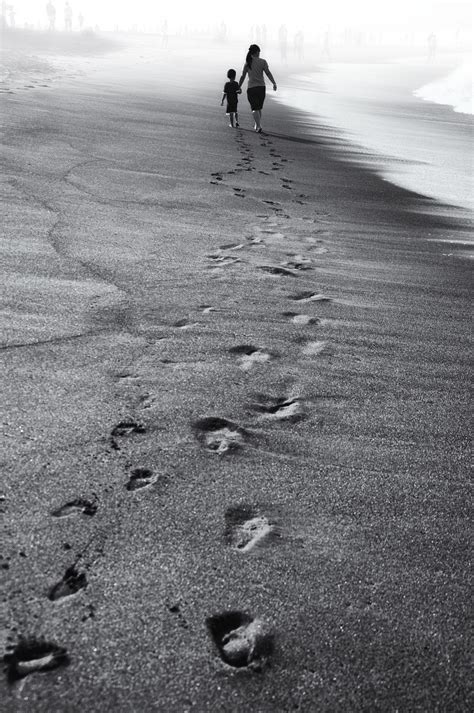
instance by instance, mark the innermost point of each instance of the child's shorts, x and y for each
(231, 107)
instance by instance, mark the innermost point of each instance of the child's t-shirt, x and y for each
(231, 89)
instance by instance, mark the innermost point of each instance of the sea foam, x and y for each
(454, 89)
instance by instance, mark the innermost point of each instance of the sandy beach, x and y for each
(236, 422)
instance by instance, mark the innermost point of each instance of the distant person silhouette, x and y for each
(51, 13)
(11, 15)
(80, 20)
(3, 16)
(327, 45)
(67, 17)
(231, 90)
(432, 46)
(299, 45)
(164, 33)
(255, 67)
(223, 32)
(283, 42)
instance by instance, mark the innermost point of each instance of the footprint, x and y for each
(250, 355)
(184, 324)
(301, 318)
(128, 375)
(206, 309)
(223, 260)
(140, 478)
(146, 401)
(273, 234)
(219, 435)
(124, 429)
(76, 507)
(231, 246)
(314, 348)
(309, 297)
(241, 640)
(271, 202)
(245, 528)
(175, 608)
(280, 409)
(299, 263)
(255, 240)
(278, 271)
(72, 582)
(32, 655)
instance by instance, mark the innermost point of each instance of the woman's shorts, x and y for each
(256, 97)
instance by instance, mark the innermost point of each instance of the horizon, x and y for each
(339, 15)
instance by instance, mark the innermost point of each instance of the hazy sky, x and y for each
(310, 14)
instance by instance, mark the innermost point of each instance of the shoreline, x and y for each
(177, 271)
(377, 120)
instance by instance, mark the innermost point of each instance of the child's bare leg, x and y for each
(231, 118)
(236, 119)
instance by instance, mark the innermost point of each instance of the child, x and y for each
(231, 89)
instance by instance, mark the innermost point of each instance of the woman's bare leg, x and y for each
(257, 116)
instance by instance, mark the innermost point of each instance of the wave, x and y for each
(455, 89)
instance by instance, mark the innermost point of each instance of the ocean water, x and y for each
(415, 139)
(454, 89)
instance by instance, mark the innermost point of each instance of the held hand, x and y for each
(274, 87)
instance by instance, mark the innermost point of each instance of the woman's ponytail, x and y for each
(253, 49)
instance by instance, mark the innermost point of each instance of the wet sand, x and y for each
(235, 420)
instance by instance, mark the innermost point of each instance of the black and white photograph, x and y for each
(235, 347)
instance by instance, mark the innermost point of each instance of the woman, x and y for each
(255, 68)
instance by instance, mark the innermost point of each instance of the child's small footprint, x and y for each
(140, 478)
(218, 435)
(32, 655)
(123, 430)
(309, 297)
(76, 507)
(249, 356)
(71, 583)
(241, 640)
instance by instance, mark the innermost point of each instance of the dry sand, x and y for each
(236, 423)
